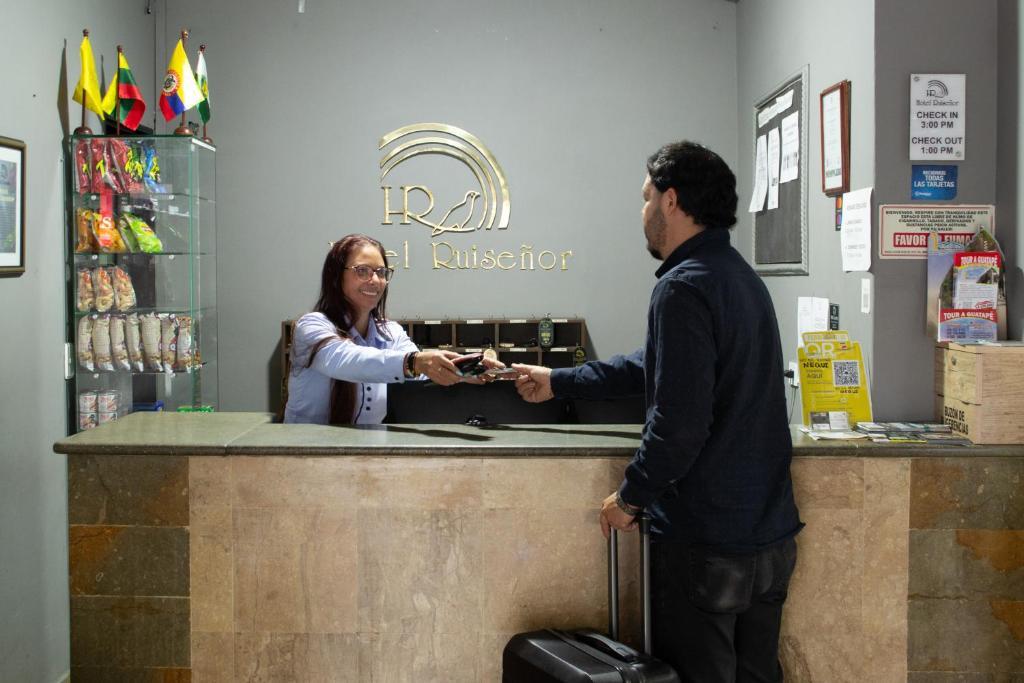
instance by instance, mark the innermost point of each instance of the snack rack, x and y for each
(141, 266)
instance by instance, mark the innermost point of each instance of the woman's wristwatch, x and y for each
(410, 364)
(631, 510)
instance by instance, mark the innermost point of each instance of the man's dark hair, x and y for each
(704, 184)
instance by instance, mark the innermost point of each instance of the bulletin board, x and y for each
(780, 234)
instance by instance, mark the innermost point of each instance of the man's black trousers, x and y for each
(716, 617)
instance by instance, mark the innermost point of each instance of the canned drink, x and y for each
(87, 402)
(87, 420)
(106, 401)
(105, 416)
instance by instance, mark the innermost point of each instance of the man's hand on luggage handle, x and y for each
(612, 516)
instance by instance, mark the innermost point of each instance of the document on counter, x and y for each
(811, 316)
(855, 238)
(790, 148)
(773, 169)
(760, 176)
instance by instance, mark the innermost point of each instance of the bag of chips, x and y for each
(118, 350)
(85, 296)
(83, 167)
(133, 343)
(84, 343)
(108, 239)
(149, 326)
(113, 171)
(145, 237)
(184, 359)
(83, 223)
(124, 292)
(101, 343)
(168, 341)
(103, 289)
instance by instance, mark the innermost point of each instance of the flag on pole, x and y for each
(180, 92)
(87, 91)
(204, 87)
(132, 105)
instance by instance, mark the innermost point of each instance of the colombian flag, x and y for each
(180, 92)
(123, 86)
(87, 91)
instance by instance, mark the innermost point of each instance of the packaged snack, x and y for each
(101, 343)
(147, 240)
(107, 401)
(87, 402)
(98, 171)
(87, 420)
(168, 341)
(184, 360)
(83, 167)
(83, 223)
(151, 175)
(103, 288)
(149, 326)
(113, 175)
(108, 239)
(130, 243)
(86, 298)
(84, 344)
(134, 167)
(133, 343)
(124, 292)
(118, 350)
(104, 417)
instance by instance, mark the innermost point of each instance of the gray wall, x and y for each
(775, 38)
(33, 507)
(926, 36)
(571, 97)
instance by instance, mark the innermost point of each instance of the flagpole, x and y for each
(206, 138)
(83, 129)
(117, 90)
(183, 129)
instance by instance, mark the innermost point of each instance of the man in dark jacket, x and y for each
(712, 469)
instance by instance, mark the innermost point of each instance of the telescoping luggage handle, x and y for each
(645, 581)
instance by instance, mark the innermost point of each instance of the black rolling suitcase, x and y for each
(552, 656)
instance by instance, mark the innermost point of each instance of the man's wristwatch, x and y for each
(631, 510)
(410, 364)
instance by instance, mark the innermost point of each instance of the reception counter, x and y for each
(221, 547)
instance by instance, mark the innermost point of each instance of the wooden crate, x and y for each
(979, 391)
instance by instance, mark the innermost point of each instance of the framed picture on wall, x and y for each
(834, 109)
(12, 206)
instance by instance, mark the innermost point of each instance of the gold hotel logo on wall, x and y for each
(489, 199)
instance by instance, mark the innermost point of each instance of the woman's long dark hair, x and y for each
(333, 304)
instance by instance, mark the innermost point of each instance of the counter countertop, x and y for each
(255, 434)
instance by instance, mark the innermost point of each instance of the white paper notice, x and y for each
(773, 169)
(855, 237)
(766, 115)
(760, 176)
(811, 316)
(790, 148)
(783, 102)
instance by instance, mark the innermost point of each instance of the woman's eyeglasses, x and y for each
(364, 273)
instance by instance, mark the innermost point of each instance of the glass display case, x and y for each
(141, 256)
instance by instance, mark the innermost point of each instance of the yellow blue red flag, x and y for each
(180, 92)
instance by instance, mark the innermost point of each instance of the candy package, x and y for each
(118, 350)
(124, 292)
(101, 343)
(103, 288)
(84, 344)
(149, 327)
(133, 343)
(147, 240)
(83, 223)
(184, 359)
(168, 341)
(108, 239)
(83, 167)
(85, 296)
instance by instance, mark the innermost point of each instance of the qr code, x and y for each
(845, 373)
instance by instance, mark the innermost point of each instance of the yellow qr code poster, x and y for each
(832, 377)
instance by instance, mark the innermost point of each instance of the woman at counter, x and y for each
(346, 352)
